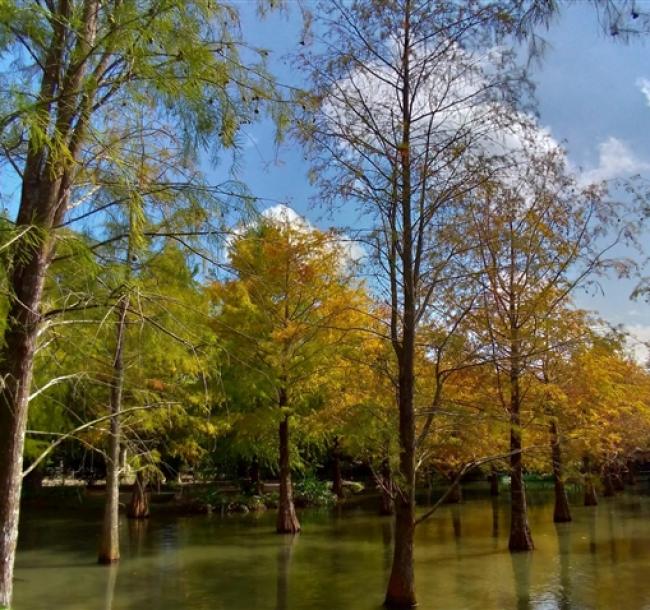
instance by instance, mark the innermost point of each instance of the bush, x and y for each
(310, 491)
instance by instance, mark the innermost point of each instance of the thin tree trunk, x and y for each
(495, 517)
(139, 504)
(591, 499)
(455, 495)
(256, 479)
(456, 522)
(386, 504)
(608, 483)
(287, 522)
(401, 584)
(401, 590)
(617, 480)
(109, 544)
(494, 483)
(561, 511)
(16, 368)
(337, 479)
(520, 537)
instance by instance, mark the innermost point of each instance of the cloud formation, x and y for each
(283, 214)
(644, 86)
(638, 342)
(615, 160)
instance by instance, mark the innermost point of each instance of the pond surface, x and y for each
(341, 560)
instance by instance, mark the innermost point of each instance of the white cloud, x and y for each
(638, 342)
(352, 251)
(615, 160)
(644, 86)
(285, 215)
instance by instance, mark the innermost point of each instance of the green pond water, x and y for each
(341, 560)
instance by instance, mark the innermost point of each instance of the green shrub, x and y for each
(310, 491)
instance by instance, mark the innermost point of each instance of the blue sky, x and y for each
(591, 97)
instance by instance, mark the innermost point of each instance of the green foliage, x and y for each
(310, 491)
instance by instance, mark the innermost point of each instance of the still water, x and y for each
(341, 561)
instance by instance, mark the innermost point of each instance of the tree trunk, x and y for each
(109, 545)
(494, 483)
(16, 367)
(139, 504)
(257, 487)
(34, 480)
(287, 522)
(45, 193)
(337, 479)
(401, 584)
(401, 590)
(495, 517)
(591, 499)
(520, 537)
(608, 483)
(617, 480)
(455, 495)
(386, 504)
(630, 478)
(456, 522)
(561, 512)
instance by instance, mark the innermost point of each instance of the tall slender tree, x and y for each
(539, 236)
(90, 67)
(404, 94)
(283, 323)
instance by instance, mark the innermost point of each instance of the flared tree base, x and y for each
(591, 499)
(107, 560)
(561, 511)
(287, 522)
(520, 540)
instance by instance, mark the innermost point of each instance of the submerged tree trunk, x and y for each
(337, 478)
(591, 499)
(608, 483)
(455, 495)
(139, 504)
(401, 584)
(404, 269)
(109, 545)
(16, 367)
(520, 537)
(617, 480)
(494, 483)
(561, 511)
(257, 486)
(386, 504)
(495, 517)
(287, 522)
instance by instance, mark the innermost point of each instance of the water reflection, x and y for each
(455, 521)
(387, 542)
(239, 563)
(111, 582)
(284, 554)
(495, 517)
(521, 565)
(563, 531)
(137, 535)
